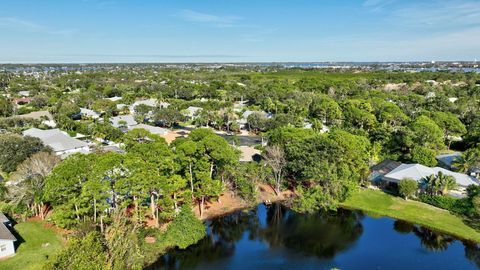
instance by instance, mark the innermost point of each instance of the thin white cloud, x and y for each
(215, 20)
(377, 5)
(16, 24)
(441, 14)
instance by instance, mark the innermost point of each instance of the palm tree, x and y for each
(468, 160)
(446, 182)
(431, 184)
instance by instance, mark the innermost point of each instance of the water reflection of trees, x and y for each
(472, 252)
(429, 239)
(322, 234)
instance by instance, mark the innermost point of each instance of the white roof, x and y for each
(151, 129)
(418, 172)
(192, 110)
(114, 99)
(56, 139)
(90, 113)
(127, 118)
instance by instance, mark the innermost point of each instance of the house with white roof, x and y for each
(44, 116)
(123, 121)
(148, 102)
(87, 113)
(115, 99)
(244, 120)
(192, 111)
(151, 129)
(7, 239)
(60, 142)
(419, 172)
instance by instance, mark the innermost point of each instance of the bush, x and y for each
(185, 230)
(407, 187)
(454, 205)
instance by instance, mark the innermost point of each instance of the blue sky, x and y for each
(238, 30)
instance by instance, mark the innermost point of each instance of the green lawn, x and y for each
(378, 203)
(31, 254)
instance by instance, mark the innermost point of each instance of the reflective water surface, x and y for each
(275, 237)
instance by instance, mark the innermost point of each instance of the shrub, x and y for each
(407, 187)
(454, 205)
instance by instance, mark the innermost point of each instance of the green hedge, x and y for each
(454, 205)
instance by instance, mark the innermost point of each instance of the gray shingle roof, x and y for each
(5, 233)
(3, 218)
(56, 139)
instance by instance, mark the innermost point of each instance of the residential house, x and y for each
(7, 239)
(24, 93)
(244, 120)
(87, 113)
(115, 99)
(44, 116)
(446, 160)
(419, 172)
(151, 129)
(381, 169)
(148, 102)
(61, 143)
(192, 112)
(123, 121)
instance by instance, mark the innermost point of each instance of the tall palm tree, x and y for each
(446, 182)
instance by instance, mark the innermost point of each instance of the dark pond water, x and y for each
(277, 238)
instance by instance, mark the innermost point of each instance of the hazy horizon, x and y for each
(125, 31)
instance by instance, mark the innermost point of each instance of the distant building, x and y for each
(147, 102)
(192, 112)
(115, 99)
(87, 113)
(446, 160)
(151, 129)
(24, 93)
(44, 116)
(123, 121)
(61, 143)
(7, 239)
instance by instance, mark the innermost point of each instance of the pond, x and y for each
(274, 237)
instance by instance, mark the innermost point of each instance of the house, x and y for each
(7, 239)
(44, 116)
(87, 113)
(24, 93)
(147, 102)
(115, 99)
(419, 172)
(244, 120)
(382, 168)
(192, 112)
(446, 160)
(123, 121)
(61, 143)
(151, 129)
